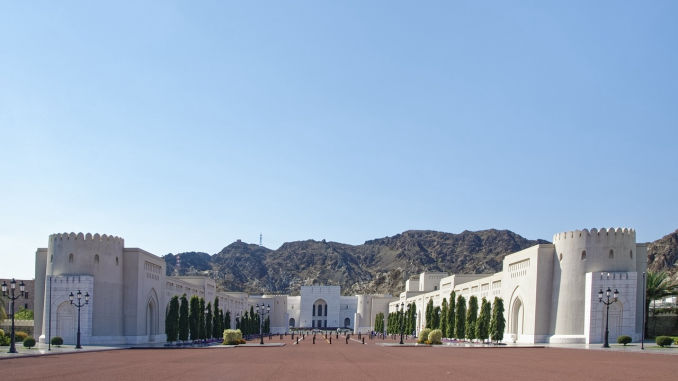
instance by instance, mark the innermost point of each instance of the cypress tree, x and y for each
(460, 318)
(450, 316)
(497, 323)
(194, 318)
(201, 320)
(471, 317)
(267, 324)
(435, 324)
(227, 320)
(443, 317)
(483, 324)
(217, 320)
(429, 314)
(413, 319)
(245, 323)
(183, 319)
(208, 322)
(172, 320)
(253, 326)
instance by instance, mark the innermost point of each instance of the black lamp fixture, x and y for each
(12, 298)
(79, 304)
(261, 311)
(607, 303)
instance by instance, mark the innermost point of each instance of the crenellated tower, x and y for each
(578, 253)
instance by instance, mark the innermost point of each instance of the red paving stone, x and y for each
(340, 361)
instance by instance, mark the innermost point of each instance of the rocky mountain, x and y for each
(662, 254)
(377, 266)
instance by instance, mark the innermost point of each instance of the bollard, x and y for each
(330, 339)
(347, 339)
(363, 340)
(313, 339)
(297, 339)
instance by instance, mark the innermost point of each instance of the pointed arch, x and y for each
(152, 318)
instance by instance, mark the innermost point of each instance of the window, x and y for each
(70, 258)
(560, 257)
(314, 310)
(631, 254)
(51, 259)
(435, 288)
(96, 258)
(583, 255)
(116, 261)
(611, 254)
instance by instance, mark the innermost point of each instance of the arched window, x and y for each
(314, 310)
(70, 258)
(320, 310)
(347, 322)
(291, 322)
(560, 257)
(583, 255)
(96, 258)
(631, 254)
(116, 261)
(611, 254)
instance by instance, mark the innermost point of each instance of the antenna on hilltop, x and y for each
(261, 236)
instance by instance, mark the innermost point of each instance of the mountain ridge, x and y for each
(380, 265)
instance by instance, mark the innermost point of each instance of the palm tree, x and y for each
(658, 285)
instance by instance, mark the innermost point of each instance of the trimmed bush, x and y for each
(435, 337)
(2, 332)
(20, 336)
(29, 342)
(423, 335)
(57, 340)
(4, 341)
(233, 337)
(664, 341)
(623, 339)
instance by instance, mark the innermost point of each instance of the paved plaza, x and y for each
(341, 361)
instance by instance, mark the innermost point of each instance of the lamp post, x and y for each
(12, 297)
(642, 329)
(402, 320)
(607, 303)
(261, 311)
(79, 305)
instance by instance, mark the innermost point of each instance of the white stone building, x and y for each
(550, 291)
(130, 294)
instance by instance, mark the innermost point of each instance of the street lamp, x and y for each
(261, 311)
(79, 305)
(402, 320)
(12, 297)
(607, 303)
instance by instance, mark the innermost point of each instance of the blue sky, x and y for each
(187, 125)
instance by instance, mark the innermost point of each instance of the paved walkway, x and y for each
(340, 361)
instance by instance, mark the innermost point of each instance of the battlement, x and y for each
(618, 233)
(85, 237)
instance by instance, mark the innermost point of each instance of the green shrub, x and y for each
(664, 341)
(20, 336)
(232, 337)
(2, 332)
(435, 336)
(29, 342)
(57, 340)
(4, 341)
(623, 339)
(423, 335)
(24, 314)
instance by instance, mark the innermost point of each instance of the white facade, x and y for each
(550, 291)
(129, 295)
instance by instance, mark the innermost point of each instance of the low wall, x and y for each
(19, 325)
(664, 324)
